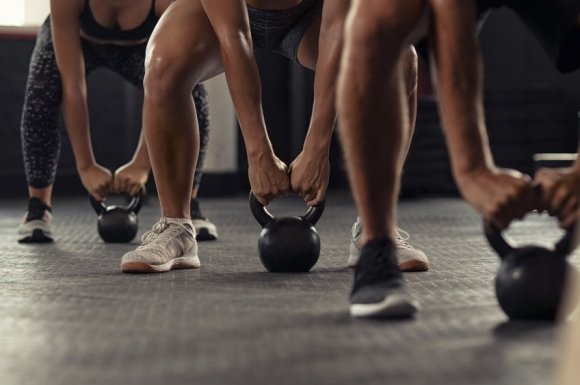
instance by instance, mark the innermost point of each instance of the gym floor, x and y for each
(69, 316)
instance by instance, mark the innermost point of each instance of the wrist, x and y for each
(317, 145)
(84, 165)
(258, 148)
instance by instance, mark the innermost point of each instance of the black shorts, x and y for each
(281, 31)
(554, 23)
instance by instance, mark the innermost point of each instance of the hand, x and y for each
(130, 178)
(268, 177)
(309, 174)
(499, 195)
(98, 181)
(560, 194)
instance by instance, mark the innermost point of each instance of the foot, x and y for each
(410, 258)
(169, 245)
(36, 225)
(205, 230)
(378, 290)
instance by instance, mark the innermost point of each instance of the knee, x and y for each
(372, 23)
(166, 77)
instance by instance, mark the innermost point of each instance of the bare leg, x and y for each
(374, 115)
(183, 52)
(44, 194)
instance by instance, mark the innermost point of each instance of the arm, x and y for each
(229, 19)
(311, 169)
(499, 195)
(69, 58)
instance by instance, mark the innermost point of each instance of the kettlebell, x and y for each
(287, 244)
(531, 280)
(117, 223)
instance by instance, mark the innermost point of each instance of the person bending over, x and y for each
(199, 39)
(78, 37)
(374, 125)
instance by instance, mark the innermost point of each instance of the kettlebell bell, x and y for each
(117, 223)
(531, 280)
(287, 244)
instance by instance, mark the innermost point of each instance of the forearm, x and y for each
(75, 112)
(141, 155)
(459, 77)
(324, 113)
(244, 85)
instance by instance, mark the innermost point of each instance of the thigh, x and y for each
(184, 41)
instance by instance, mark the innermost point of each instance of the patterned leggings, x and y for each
(40, 130)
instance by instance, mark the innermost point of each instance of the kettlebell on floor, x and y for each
(287, 244)
(531, 280)
(116, 223)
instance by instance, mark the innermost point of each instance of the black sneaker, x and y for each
(204, 229)
(379, 290)
(36, 226)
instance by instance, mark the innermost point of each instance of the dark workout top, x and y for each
(93, 29)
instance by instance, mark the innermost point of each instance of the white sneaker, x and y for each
(410, 258)
(36, 225)
(169, 245)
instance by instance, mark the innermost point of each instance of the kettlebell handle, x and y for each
(503, 248)
(99, 207)
(264, 217)
(134, 205)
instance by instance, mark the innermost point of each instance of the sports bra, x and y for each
(93, 29)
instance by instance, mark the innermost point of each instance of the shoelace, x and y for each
(401, 238)
(157, 229)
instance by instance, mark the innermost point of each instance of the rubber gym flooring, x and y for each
(69, 316)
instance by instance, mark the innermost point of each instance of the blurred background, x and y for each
(530, 109)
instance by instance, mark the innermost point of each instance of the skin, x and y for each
(374, 115)
(217, 34)
(67, 35)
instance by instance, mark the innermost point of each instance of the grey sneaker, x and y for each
(205, 230)
(410, 258)
(169, 245)
(36, 225)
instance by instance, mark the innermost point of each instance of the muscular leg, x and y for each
(375, 126)
(183, 52)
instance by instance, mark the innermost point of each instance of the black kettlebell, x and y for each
(287, 244)
(117, 223)
(531, 280)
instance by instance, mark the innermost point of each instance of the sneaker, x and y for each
(169, 245)
(379, 290)
(410, 258)
(205, 230)
(35, 227)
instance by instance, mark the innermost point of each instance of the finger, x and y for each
(559, 198)
(317, 199)
(571, 219)
(569, 208)
(264, 201)
(135, 189)
(117, 183)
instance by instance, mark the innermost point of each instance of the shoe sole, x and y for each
(175, 264)
(37, 236)
(407, 266)
(394, 306)
(205, 235)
